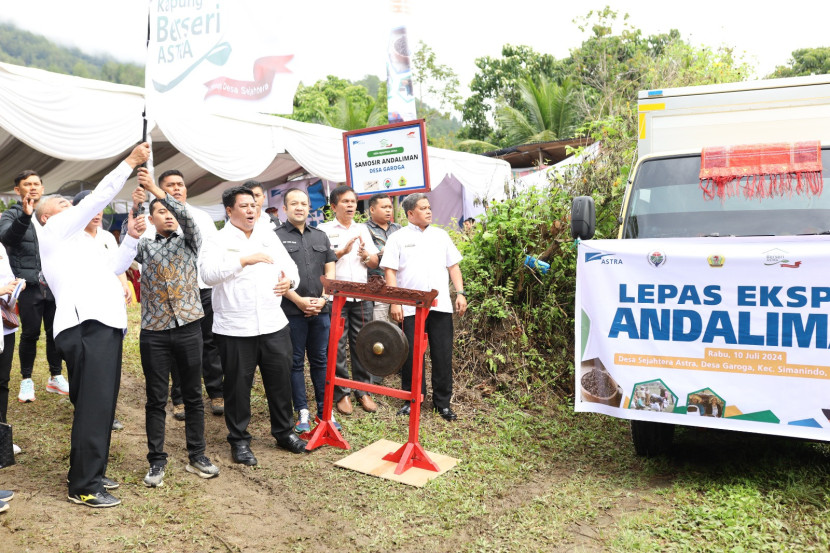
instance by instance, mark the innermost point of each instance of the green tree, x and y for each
(497, 80)
(519, 324)
(339, 103)
(805, 61)
(438, 81)
(545, 112)
(610, 66)
(681, 64)
(311, 101)
(352, 112)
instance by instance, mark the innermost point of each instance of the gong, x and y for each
(382, 348)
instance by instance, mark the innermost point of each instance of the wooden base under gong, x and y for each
(370, 460)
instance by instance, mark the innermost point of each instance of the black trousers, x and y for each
(5, 373)
(240, 357)
(92, 352)
(161, 350)
(34, 311)
(211, 363)
(440, 330)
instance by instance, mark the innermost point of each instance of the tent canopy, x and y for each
(70, 128)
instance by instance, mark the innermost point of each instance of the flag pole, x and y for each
(144, 112)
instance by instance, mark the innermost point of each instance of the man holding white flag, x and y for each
(90, 322)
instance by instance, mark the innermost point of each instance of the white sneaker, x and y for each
(155, 476)
(58, 385)
(27, 391)
(16, 449)
(302, 425)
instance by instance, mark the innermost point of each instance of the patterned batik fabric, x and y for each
(169, 285)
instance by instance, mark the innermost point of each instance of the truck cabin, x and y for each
(666, 200)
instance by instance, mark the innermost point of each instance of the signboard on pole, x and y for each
(728, 333)
(390, 158)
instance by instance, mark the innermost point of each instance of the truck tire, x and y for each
(651, 438)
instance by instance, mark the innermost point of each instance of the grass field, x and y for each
(538, 478)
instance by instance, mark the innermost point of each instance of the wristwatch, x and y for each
(461, 293)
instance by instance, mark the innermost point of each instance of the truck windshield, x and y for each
(666, 201)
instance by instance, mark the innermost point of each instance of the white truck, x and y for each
(648, 377)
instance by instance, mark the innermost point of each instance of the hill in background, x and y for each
(28, 49)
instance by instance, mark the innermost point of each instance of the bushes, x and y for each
(519, 331)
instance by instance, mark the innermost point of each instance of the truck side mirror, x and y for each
(583, 218)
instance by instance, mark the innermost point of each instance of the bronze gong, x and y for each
(382, 348)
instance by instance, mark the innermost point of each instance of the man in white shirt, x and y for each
(90, 322)
(172, 182)
(421, 257)
(356, 252)
(250, 270)
(109, 246)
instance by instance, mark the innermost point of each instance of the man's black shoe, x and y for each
(446, 413)
(98, 500)
(293, 444)
(405, 410)
(108, 483)
(243, 455)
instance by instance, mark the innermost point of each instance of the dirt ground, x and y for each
(291, 502)
(288, 503)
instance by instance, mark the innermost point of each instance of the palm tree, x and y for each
(545, 112)
(352, 113)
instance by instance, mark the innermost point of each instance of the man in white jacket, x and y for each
(250, 270)
(90, 322)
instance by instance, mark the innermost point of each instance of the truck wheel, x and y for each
(651, 438)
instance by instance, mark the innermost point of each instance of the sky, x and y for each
(347, 39)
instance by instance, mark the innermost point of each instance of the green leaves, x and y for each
(546, 112)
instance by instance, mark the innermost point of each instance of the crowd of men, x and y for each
(215, 305)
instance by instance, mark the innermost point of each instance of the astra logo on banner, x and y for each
(601, 256)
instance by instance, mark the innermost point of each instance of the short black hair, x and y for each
(229, 195)
(170, 173)
(251, 184)
(338, 193)
(289, 191)
(25, 175)
(378, 197)
(153, 203)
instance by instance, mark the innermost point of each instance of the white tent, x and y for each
(69, 128)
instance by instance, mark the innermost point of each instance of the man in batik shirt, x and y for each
(171, 332)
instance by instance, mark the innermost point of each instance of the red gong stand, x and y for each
(411, 454)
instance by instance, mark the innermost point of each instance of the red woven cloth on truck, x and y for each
(761, 170)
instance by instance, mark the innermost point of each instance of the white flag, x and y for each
(221, 55)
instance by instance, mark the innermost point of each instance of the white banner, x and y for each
(725, 333)
(399, 89)
(222, 55)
